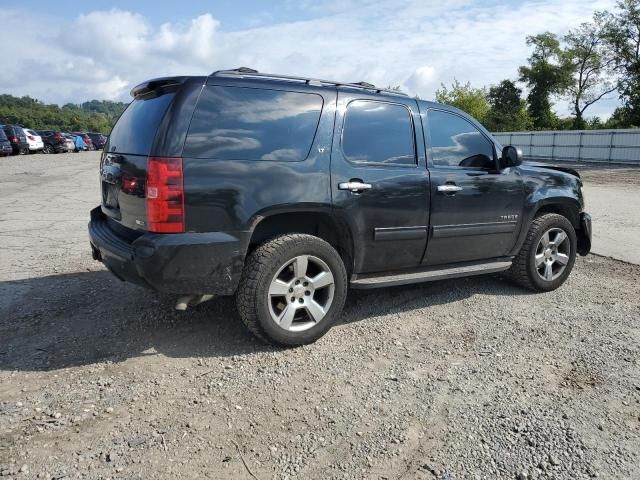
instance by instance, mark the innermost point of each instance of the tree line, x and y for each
(600, 58)
(92, 116)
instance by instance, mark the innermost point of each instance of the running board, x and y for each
(390, 280)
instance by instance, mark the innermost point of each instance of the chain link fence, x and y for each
(609, 146)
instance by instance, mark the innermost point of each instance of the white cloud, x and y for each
(418, 45)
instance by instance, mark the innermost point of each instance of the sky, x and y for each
(81, 50)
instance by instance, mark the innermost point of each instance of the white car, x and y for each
(34, 140)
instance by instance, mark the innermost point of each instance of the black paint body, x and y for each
(403, 222)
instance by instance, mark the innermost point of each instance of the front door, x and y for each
(379, 180)
(475, 207)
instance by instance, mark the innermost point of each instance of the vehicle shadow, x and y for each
(78, 319)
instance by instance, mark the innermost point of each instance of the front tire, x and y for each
(292, 290)
(547, 255)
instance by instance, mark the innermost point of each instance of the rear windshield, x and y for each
(136, 128)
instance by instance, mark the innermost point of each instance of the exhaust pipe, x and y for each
(186, 301)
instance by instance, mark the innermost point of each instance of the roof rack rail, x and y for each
(250, 72)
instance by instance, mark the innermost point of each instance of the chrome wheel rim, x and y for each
(552, 254)
(301, 293)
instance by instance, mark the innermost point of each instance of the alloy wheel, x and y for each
(552, 254)
(301, 293)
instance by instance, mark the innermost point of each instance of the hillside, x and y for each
(94, 115)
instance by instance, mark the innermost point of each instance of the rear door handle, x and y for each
(449, 188)
(354, 186)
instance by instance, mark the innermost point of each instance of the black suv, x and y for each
(54, 141)
(18, 139)
(285, 191)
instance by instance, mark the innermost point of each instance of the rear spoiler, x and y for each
(155, 85)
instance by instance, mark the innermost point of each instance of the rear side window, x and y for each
(377, 132)
(136, 128)
(455, 142)
(236, 123)
(3, 136)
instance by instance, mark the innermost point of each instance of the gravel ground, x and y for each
(470, 378)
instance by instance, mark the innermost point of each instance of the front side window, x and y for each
(455, 142)
(377, 132)
(238, 123)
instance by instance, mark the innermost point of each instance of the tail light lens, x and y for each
(31, 137)
(13, 139)
(58, 136)
(165, 195)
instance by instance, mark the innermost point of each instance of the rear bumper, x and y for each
(584, 234)
(60, 148)
(184, 263)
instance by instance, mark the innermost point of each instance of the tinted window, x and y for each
(136, 128)
(3, 136)
(457, 143)
(378, 132)
(237, 123)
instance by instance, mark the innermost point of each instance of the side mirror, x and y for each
(511, 157)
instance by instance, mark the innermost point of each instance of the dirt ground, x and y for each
(471, 378)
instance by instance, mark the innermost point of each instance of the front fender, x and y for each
(550, 191)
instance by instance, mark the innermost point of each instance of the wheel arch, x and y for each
(565, 206)
(317, 222)
(568, 207)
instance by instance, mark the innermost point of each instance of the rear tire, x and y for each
(48, 149)
(292, 290)
(547, 255)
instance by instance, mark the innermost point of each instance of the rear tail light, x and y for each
(165, 195)
(58, 136)
(31, 137)
(13, 139)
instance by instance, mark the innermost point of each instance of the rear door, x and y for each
(379, 181)
(475, 207)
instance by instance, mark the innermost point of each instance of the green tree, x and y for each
(466, 98)
(96, 115)
(546, 75)
(508, 111)
(588, 56)
(623, 36)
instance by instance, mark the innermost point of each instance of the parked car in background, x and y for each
(80, 145)
(98, 140)
(71, 142)
(17, 138)
(86, 139)
(55, 142)
(34, 140)
(5, 145)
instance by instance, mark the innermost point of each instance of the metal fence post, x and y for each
(611, 144)
(580, 146)
(553, 145)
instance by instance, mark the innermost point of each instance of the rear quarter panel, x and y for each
(234, 195)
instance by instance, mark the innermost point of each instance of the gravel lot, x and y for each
(471, 378)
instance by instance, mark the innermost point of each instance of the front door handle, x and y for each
(354, 186)
(448, 188)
